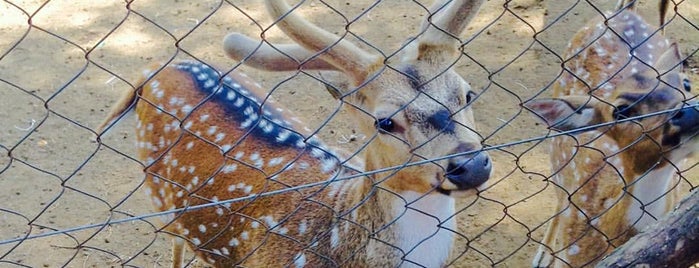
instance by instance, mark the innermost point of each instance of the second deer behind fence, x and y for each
(624, 88)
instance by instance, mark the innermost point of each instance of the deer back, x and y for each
(206, 138)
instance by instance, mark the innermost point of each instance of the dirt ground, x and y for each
(59, 77)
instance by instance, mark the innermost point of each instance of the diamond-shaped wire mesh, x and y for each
(70, 196)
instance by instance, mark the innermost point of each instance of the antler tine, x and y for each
(664, 6)
(449, 18)
(342, 54)
(281, 57)
(629, 4)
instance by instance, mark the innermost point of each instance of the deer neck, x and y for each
(650, 191)
(393, 225)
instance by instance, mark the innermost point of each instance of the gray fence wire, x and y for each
(73, 197)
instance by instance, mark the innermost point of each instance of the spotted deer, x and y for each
(205, 138)
(630, 120)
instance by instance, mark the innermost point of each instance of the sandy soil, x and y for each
(59, 76)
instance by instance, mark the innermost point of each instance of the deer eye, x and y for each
(470, 96)
(687, 85)
(622, 111)
(385, 125)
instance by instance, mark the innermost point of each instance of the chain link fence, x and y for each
(69, 200)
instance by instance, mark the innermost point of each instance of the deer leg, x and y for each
(177, 252)
(544, 256)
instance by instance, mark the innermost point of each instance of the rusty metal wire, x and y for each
(70, 196)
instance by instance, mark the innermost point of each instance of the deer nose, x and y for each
(687, 118)
(469, 171)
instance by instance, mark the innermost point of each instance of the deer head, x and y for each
(420, 107)
(643, 115)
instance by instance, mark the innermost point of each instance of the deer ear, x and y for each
(671, 59)
(565, 113)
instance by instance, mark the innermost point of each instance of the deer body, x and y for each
(235, 161)
(620, 177)
(205, 138)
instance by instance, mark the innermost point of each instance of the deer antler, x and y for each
(338, 52)
(280, 57)
(448, 20)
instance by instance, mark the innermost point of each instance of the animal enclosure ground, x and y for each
(59, 77)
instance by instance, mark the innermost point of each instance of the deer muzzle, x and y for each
(684, 125)
(687, 118)
(470, 170)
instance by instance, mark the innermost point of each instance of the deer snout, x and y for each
(470, 170)
(687, 118)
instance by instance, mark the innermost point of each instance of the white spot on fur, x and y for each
(188, 125)
(300, 260)
(335, 237)
(573, 250)
(275, 161)
(266, 126)
(283, 135)
(302, 226)
(187, 109)
(282, 230)
(229, 168)
(219, 137)
(239, 102)
(303, 165)
(226, 147)
(211, 130)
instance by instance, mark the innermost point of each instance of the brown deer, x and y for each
(207, 138)
(629, 118)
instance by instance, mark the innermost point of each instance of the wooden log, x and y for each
(671, 242)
